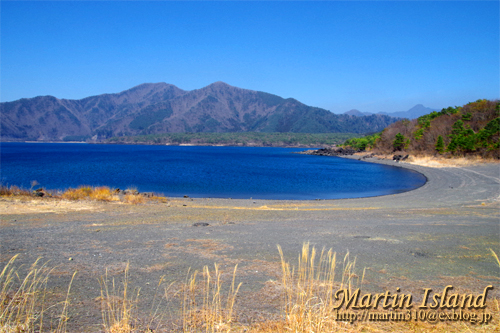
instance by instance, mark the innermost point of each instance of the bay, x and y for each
(201, 171)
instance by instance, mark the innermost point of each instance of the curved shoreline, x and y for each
(445, 187)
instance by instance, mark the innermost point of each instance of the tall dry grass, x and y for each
(208, 303)
(496, 301)
(13, 191)
(120, 310)
(118, 305)
(309, 289)
(205, 307)
(22, 300)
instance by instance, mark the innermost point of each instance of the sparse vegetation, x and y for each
(309, 290)
(118, 306)
(207, 303)
(204, 306)
(13, 190)
(22, 300)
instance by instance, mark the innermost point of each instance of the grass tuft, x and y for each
(22, 300)
(118, 307)
(309, 289)
(80, 193)
(134, 199)
(204, 305)
(13, 191)
(102, 193)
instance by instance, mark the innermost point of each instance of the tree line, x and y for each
(238, 139)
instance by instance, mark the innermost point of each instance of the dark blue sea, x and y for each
(196, 171)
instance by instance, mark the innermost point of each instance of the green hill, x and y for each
(472, 129)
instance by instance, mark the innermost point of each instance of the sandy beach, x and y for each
(439, 234)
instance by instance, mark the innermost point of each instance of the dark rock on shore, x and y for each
(367, 156)
(134, 192)
(398, 158)
(332, 152)
(39, 192)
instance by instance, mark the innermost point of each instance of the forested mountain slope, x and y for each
(156, 108)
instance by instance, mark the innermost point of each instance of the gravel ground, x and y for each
(436, 235)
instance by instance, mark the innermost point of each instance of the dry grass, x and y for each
(205, 308)
(134, 199)
(118, 307)
(83, 192)
(101, 193)
(438, 161)
(22, 300)
(160, 199)
(308, 300)
(207, 302)
(441, 162)
(309, 290)
(495, 256)
(13, 191)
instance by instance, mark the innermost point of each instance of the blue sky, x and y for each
(339, 55)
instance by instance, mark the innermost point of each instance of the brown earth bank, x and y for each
(443, 233)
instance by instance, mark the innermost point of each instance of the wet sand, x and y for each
(436, 235)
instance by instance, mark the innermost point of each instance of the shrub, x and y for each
(399, 142)
(440, 145)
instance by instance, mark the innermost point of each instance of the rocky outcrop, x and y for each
(332, 152)
(134, 192)
(399, 158)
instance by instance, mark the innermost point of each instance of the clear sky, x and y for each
(339, 55)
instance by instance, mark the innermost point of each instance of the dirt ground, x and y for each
(442, 233)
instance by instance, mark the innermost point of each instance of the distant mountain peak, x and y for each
(357, 113)
(219, 84)
(145, 86)
(413, 113)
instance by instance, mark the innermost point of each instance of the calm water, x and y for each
(222, 172)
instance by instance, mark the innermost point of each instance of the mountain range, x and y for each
(153, 108)
(413, 113)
